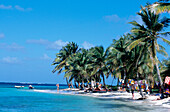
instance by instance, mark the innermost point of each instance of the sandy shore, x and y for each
(114, 95)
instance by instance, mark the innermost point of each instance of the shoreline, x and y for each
(113, 95)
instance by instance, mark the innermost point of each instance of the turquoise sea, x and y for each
(25, 100)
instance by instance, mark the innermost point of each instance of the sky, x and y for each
(33, 31)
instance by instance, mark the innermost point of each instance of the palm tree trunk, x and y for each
(118, 81)
(160, 80)
(72, 85)
(141, 93)
(83, 82)
(94, 82)
(79, 85)
(67, 81)
(124, 75)
(75, 83)
(104, 81)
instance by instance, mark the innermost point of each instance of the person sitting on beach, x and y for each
(133, 89)
(159, 98)
(89, 89)
(100, 86)
(97, 87)
(123, 87)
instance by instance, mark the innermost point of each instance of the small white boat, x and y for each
(30, 87)
(19, 87)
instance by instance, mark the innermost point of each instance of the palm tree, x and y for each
(99, 56)
(80, 68)
(148, 34)
(160, 6)
(138, 64)
(119, 57)
(62, 57)
(113, 65)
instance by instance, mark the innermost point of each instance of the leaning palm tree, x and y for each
(148, 33)
(62, 57)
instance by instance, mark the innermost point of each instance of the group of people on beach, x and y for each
(131, 86)
(148, 89)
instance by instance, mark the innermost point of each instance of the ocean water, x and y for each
(25, 100)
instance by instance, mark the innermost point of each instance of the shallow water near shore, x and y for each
(25, 100)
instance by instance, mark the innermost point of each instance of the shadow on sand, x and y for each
(124, 104)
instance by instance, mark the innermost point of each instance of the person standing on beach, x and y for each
(133, 89)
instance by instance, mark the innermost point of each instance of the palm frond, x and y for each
(162, 7)
(135, 43)
(165, 40)
(164, 53)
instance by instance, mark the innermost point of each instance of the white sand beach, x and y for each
(114, 95)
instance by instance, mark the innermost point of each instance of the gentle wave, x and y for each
(46, 91)
(55, 91)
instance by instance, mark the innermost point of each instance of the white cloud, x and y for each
(10, 60)
(112, 18)
(5, 7)
(45, 57)
(2, 35)
(87, 45)
(56, 45)
(17, 7)
(40, 41)
(22, 9)
(12, 47)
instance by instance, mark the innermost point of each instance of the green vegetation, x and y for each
(160, 7)
(133, 56)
